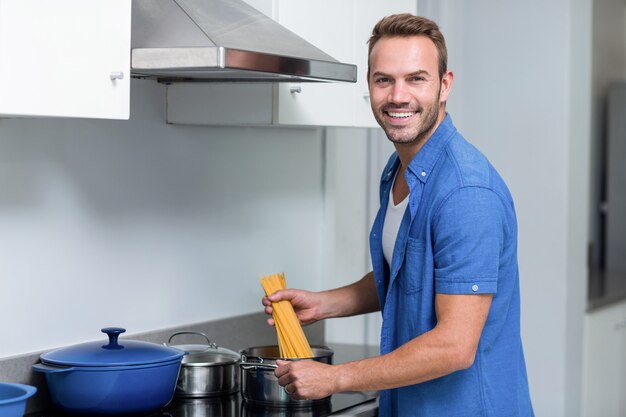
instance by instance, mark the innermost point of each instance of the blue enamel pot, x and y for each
(118, 377)
(13, 398)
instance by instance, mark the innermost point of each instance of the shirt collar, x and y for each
(423, 163)
(392, 167)
(425, 160)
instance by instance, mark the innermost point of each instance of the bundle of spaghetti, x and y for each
(292, 342)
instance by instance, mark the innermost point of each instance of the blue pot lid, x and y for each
(113, 352)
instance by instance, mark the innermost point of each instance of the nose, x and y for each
(399, 93)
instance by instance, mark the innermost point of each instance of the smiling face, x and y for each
(406, 94)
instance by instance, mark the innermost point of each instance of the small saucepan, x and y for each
(207, 370)
(259, 385)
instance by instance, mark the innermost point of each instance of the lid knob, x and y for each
(113, 333)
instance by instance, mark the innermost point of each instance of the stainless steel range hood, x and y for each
(223, 40)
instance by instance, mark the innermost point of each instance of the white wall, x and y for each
(146, 225)
(355, 159)
(346, 248)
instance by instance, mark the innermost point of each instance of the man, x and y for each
(444, 256)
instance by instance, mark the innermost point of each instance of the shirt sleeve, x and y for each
(468, 234)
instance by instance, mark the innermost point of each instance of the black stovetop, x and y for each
(234, 406)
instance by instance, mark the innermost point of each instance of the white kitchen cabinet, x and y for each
(65, 58)
(605, 362)
(366, 14)
(340, 28)
(349, 24)
(329, 26)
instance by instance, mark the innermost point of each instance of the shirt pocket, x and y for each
(412, 273)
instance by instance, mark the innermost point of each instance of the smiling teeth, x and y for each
(401, 115)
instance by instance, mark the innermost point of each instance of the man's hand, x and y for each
(306, 379)
(306, 304)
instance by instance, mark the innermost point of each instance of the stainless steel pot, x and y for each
(207, 370)
(259, 385)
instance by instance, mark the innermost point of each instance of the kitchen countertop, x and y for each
(342, 404)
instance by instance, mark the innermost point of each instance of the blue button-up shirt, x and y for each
(458, 236)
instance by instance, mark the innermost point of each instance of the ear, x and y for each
(446, 86)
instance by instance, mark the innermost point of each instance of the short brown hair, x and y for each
(405, 25)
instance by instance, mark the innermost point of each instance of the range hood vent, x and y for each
(223, 40)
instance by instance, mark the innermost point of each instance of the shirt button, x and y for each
(423, 173)
(474, 287)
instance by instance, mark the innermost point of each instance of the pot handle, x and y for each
(47, 369)
(210, 345)
(257, 365)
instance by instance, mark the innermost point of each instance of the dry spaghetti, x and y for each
(292, 342)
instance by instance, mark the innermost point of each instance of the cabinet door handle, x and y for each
(117, 75)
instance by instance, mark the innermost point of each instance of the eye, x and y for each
(417, 78)
(382, 80)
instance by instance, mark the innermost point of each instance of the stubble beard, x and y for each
(410, 135)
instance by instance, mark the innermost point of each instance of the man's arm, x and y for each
(450, 346)
(357, 298)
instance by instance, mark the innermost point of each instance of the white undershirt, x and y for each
(393, 218)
